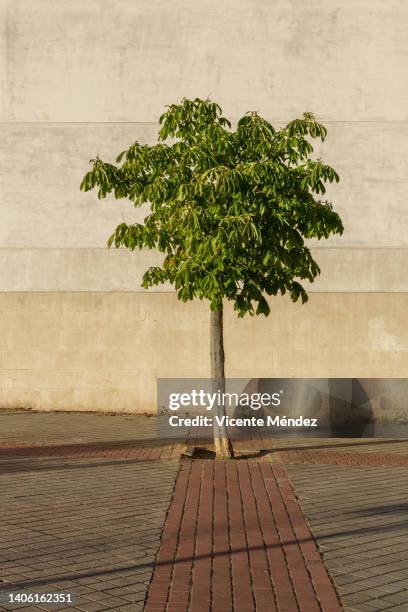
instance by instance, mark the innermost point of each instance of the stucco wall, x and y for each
(79, 79)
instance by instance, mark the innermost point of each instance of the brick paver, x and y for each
(87, 527)
(68, 427)
(358, 516)
(85, 497)
(29, 434)
(356, 458)
(236, 540)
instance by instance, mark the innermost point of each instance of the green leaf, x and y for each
(229, 210)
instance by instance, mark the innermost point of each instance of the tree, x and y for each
(229, 209)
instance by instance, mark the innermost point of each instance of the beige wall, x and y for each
(84, 78)
(119, 61)
(103, 351)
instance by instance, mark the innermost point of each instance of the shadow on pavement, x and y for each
(47, 580)
(42, 466)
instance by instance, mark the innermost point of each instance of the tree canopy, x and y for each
(229, 209)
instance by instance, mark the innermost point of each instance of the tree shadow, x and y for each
(43, 450)
(31, 464)
(138, 567)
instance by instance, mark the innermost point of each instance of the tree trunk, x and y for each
(222, 443)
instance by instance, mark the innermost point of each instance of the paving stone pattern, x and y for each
(359, 517)
(88, 527)
(84, 498)
(30, 434)
(342, 458)
(235, 540)
(67, 427)
(338, 445)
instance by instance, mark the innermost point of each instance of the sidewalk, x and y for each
(86, 527)
(358, 516)
(101, 507)
(235, 540)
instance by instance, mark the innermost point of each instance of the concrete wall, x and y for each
(103, 351)
(79, 79)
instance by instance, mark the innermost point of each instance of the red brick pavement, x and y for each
(340, 458)
(236, 540)
(92, 449)
(143, 452)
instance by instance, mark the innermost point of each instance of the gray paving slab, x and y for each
(359, 517)
(68, 427)
(89, 527)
